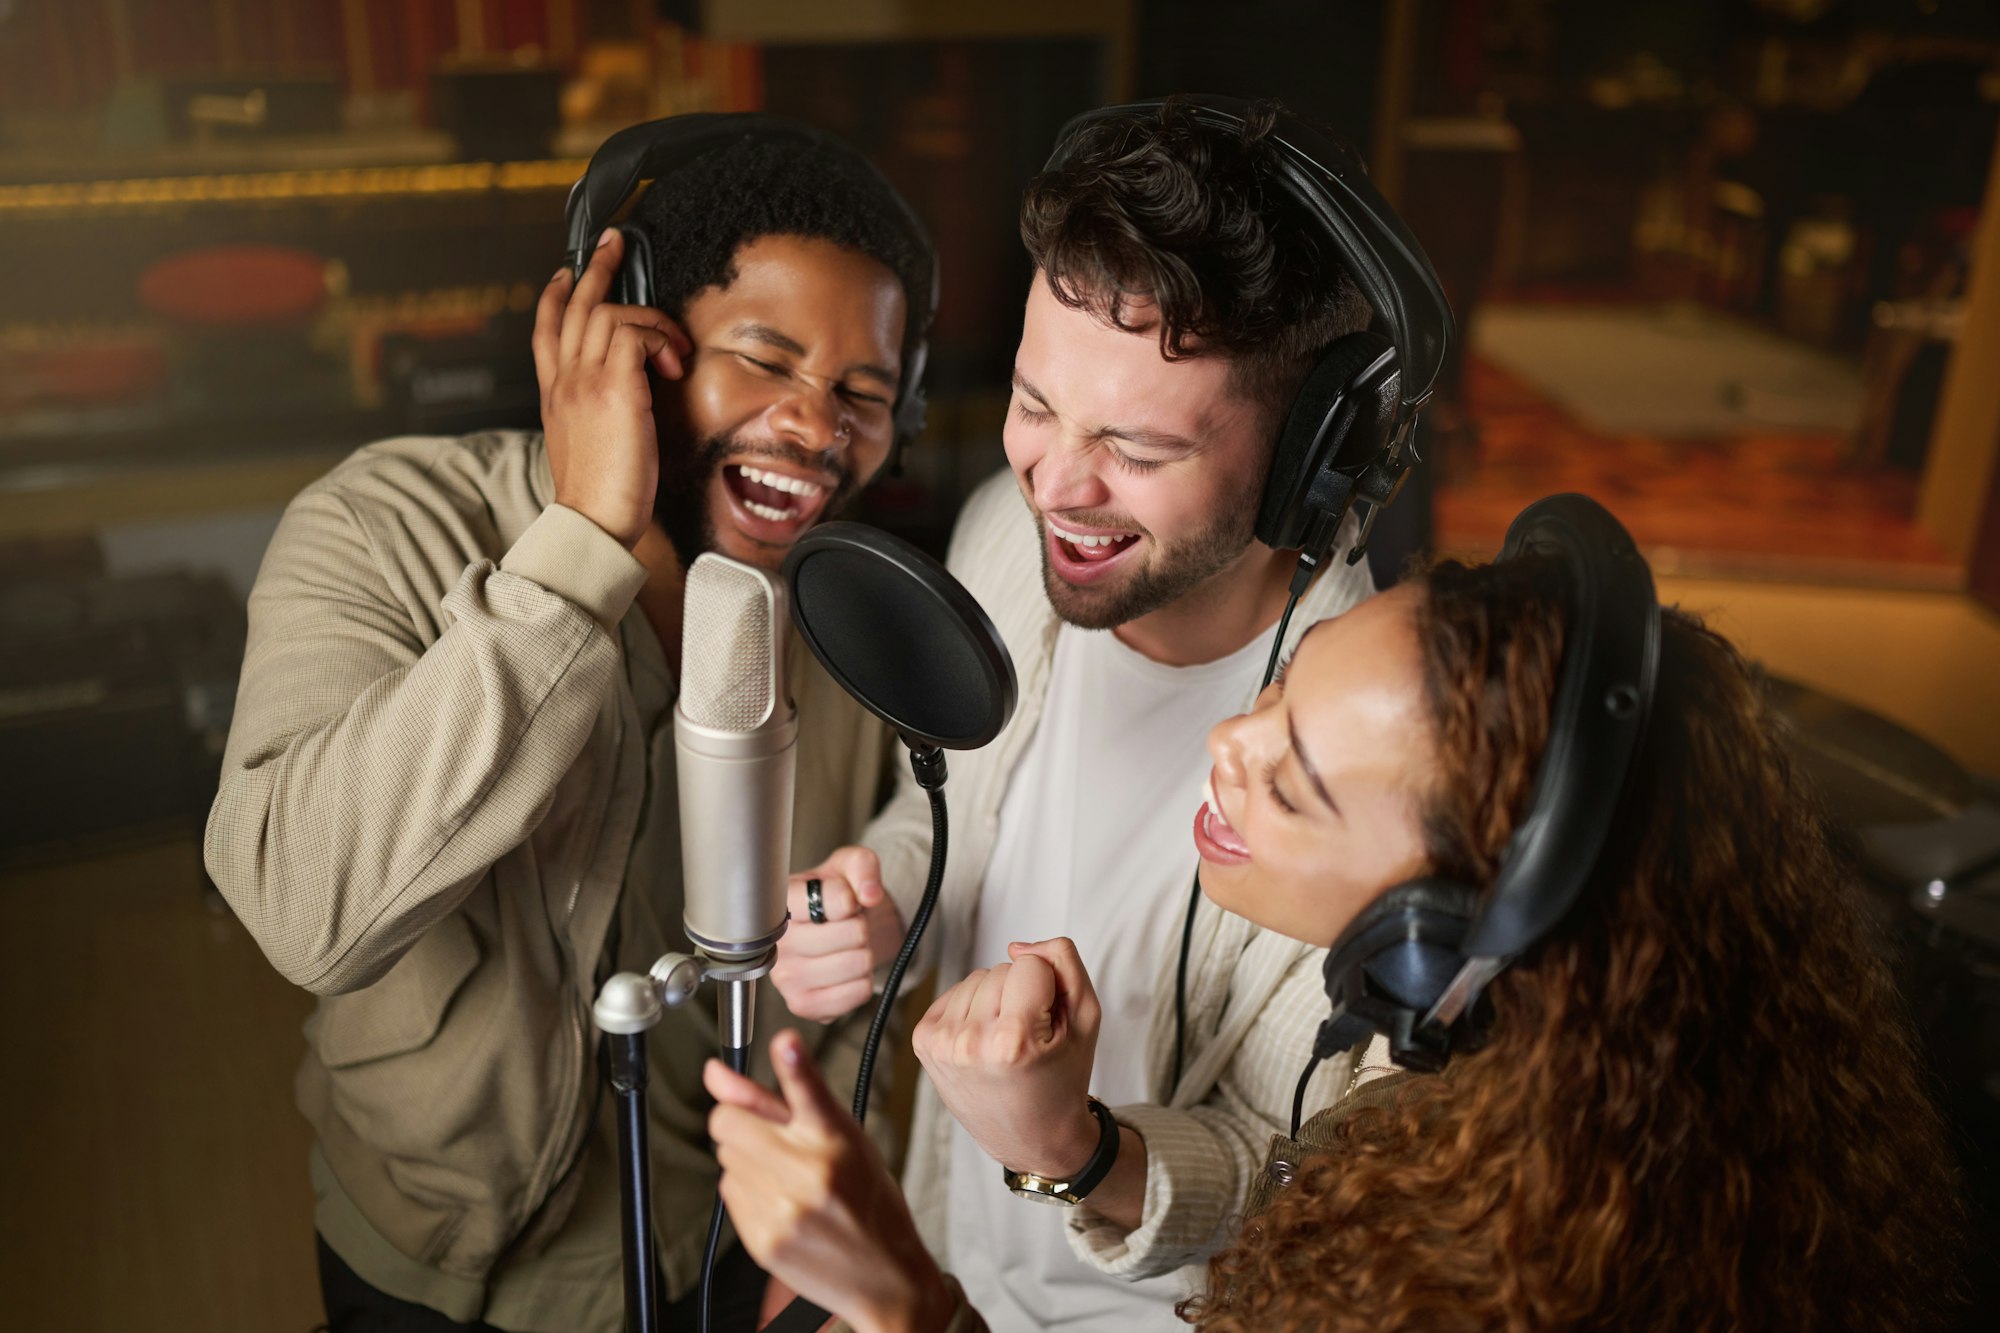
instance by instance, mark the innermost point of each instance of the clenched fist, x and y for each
(597, 408)
(1010, 1051)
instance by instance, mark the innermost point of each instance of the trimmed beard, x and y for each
(1170, 576)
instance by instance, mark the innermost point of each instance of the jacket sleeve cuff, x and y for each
(1189, 1188)
(574, 558)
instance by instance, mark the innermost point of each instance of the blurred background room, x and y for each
(1730, 266)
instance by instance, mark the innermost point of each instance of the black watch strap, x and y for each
(1049, 1189)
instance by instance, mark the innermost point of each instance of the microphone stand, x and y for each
(627, 1008)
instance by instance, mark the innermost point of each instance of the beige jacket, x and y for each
(1255, 998)
(448, 797)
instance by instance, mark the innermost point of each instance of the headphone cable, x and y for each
(1299, 1094)
(1301, 579)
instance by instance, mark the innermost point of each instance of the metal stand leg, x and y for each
(626, 1010)
(635, 1182)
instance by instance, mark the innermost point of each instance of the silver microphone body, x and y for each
(736, 834)
(735, 739)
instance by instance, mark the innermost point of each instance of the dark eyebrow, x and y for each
(1307, 764)
(1139, 435)
(770, 337)
(767, 336)
(1151, 439)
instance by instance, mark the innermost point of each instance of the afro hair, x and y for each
(703, 213)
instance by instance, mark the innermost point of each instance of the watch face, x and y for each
(1044, 1196)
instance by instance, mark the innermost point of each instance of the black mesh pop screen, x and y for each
(901, 635)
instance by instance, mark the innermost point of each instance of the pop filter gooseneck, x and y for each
(909, 643)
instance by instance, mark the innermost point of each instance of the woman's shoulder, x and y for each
(1288, 1154)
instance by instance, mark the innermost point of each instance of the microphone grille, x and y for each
(731, 619)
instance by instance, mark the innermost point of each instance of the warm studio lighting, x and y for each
(376, 378)
(384, 183)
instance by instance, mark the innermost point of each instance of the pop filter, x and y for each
(908, 642)
(901, 635)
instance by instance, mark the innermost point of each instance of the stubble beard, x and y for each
(688, 475)
(1169, 575)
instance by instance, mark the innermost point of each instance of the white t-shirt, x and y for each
(1095, 842)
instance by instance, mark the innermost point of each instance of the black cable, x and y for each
(738, 1059)
(1180, 980)
(894, 985)
(1301, 577)
(1278, 639)
(1299, 1094)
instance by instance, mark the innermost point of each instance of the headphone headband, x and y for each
(1327, 181)
(1597, 719)
(1597, 722)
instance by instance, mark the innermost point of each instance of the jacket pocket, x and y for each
(403, 1011)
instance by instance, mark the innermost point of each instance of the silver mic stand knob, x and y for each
(677, 976)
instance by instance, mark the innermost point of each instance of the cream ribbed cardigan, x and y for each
(1254, 998)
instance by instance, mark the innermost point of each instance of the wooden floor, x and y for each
(1761, 505)
(155, 1167)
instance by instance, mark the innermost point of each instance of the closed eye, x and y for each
(1271, 782)
(1131, 464)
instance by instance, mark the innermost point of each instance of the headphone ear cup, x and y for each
(1339, 418)
(1394, 960)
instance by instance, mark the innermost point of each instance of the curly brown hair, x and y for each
(1699, 1107)
(1158, 205)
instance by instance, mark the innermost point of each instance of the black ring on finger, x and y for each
(815, 904)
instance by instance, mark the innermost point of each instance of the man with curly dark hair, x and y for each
(448, 806)
(1176, 306)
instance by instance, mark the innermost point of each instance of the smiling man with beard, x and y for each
(448, 805)
(1176, 306)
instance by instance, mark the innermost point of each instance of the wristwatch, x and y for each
(1071, 1192)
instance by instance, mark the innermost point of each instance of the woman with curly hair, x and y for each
(1695, 1105)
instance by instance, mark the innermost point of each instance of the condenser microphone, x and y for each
(735, 739)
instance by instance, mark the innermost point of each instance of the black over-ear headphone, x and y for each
(1417, 959)
(1347, 436)
(659, 148)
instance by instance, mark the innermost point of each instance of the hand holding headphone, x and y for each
(592, 358)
